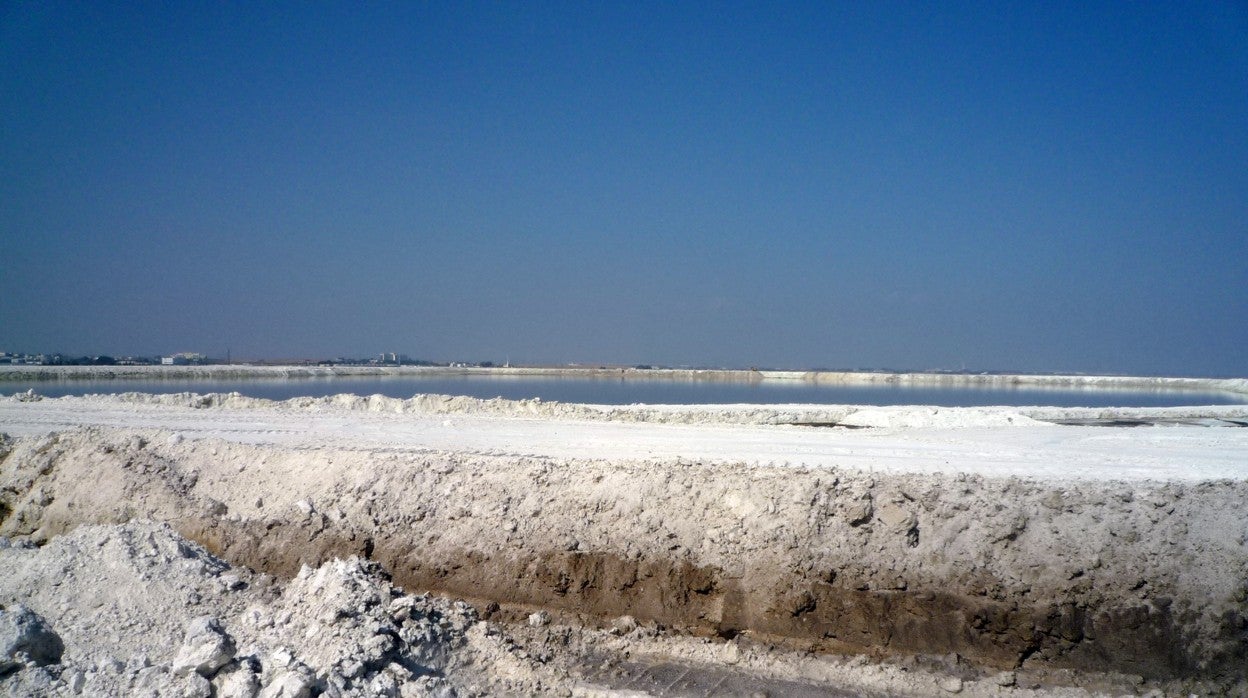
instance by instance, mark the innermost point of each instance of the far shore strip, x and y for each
(224, 371)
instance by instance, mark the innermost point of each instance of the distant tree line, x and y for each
(102, 360)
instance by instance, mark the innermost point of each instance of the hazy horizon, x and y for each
(1000, 187)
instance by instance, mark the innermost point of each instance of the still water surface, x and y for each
(615, 391)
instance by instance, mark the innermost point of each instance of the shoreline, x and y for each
(241, 371)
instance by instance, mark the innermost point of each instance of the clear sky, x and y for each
(997, 185)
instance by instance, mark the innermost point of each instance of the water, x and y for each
(616, 391)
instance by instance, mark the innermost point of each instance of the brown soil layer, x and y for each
(1139, 578)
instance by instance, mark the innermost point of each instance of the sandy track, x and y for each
(944, 440)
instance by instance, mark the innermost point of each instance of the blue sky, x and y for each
(1028, 186)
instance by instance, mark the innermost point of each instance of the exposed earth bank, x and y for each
(137, 610)
(957, 583)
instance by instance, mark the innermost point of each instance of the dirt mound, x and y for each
(1141, 578)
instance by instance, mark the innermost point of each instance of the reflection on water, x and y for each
(618, 391)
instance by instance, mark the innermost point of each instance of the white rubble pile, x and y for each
(905, 416)
(137, 610)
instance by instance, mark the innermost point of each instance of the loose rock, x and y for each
(205, 649)
(26, 638)
(539, 619)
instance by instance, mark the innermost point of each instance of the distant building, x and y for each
(184, 358)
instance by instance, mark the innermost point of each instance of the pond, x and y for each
(621, 391)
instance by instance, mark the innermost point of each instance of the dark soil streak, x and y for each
(1144, 640)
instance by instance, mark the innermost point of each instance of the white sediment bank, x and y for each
(1029, 556)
